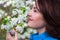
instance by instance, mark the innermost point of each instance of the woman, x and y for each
(45, 18)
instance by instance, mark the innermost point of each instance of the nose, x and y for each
(30, 13)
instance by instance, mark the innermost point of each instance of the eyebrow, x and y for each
(36, 8)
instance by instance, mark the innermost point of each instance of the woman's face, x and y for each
(35, 19)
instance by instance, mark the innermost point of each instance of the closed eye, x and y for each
(35, 10)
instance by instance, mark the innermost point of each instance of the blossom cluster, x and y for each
(13, 14)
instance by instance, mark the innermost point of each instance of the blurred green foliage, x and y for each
(2, 35)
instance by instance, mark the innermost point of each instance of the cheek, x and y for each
(37, 22)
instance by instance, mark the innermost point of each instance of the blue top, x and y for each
(42, 36)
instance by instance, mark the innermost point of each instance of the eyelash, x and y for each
(35, 11)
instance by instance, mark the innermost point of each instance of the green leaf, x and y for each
(23, 9)
(20, 24)
(25, 29)
(5, 20)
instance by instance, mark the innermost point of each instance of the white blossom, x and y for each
(22, 36)
(1, 2)
(2, 26)
(5, 14)
(1, 14)
(26, 34)
(29, 2)
(7, 27)
(19, 29)
(13, 3)
(14, 21)
(8, 4)
(25, 25)
(13, 10)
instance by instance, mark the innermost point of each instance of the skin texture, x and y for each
(35, 21)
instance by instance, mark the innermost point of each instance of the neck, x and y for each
(41, 30)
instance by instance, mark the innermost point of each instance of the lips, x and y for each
(29, 19)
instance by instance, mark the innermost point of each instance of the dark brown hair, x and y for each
(51, 12)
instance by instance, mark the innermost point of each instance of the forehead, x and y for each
(36, 5)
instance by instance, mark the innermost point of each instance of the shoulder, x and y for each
(51, 38)
(45, 36)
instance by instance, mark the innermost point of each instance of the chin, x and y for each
(30, 25)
